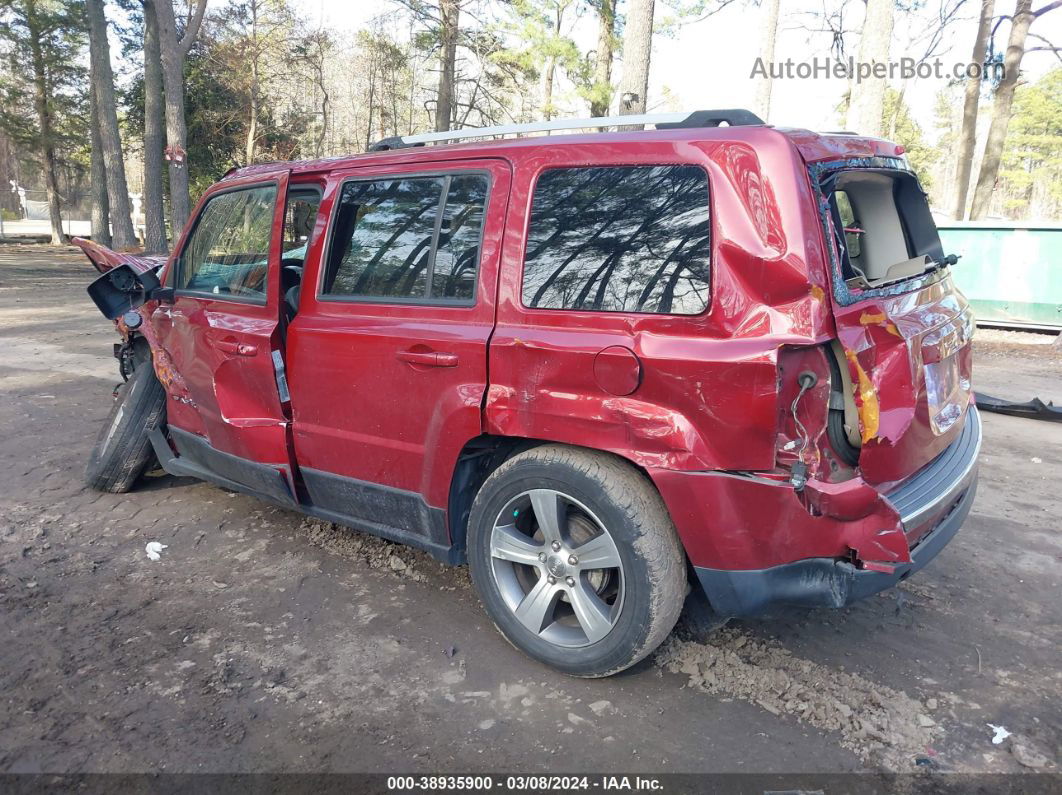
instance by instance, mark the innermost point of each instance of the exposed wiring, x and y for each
(799, 476)
(802, 431)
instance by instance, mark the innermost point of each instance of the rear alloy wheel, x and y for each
(557, 568)
(576, 559)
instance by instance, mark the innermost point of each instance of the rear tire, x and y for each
(532, 521)
(699, 620)
(123, 452)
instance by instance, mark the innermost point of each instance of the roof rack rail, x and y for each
(733, 117)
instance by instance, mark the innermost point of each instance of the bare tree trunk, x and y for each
(154, 135)
(551, 68)
(606, 41)
(252, 121)
(637, 49)
(451, 13)
(968, 137)
(770, 35)
(174, 52)
(547, 89)
(325, 103)
(101, 221)
(47, 139)
(371, 105)
(412, 94)
(103, 87)
(894, 117)
(997, 132)
(868, 96)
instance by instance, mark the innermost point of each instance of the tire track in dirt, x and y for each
(883, 726)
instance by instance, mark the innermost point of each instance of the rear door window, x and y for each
(408, 238)
(619, 239)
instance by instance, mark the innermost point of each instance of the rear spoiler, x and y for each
(103, 258)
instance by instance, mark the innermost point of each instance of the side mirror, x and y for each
(164, 295)
(122, 288)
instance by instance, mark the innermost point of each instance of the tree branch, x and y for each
(1050, 45)
(192, 29)
(1049, 48)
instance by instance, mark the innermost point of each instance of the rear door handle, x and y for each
(236, 348)
(428, 358)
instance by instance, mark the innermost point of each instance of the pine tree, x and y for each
(44, 83)
(102, 88)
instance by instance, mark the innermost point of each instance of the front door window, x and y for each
(227, 253)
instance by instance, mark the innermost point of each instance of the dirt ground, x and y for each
(263, 641)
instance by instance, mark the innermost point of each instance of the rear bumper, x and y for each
(824, 582)
(800, 559)
(937, 485)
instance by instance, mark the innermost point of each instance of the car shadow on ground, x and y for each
(157, 480)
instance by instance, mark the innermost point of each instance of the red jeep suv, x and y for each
(596, 367)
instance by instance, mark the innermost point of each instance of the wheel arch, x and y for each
(483, 454)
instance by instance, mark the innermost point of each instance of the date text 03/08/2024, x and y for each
(533, 783)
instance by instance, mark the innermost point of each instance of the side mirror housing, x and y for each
(122, 288)
(164, 295)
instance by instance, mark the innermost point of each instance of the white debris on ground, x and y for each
(154, 550)
(1000, 733)
(883, 726)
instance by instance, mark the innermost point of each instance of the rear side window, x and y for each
(619, 239)
(410, 238)
(227, 253)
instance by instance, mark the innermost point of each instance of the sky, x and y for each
(708, 63)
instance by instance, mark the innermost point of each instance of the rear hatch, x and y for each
(904, 328)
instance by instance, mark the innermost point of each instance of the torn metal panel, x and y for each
(103, 258)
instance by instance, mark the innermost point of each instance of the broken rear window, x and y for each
(883, 227)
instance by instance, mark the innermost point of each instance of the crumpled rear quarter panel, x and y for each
(708, 391)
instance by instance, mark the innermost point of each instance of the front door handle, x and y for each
(428, 358)
(236, 348)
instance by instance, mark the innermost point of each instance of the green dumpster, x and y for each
(1011, 273)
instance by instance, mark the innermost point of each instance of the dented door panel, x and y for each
(214, 355)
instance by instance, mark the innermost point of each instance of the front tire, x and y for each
(123, 452)
(576, 560)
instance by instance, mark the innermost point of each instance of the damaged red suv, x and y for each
(600, 368)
